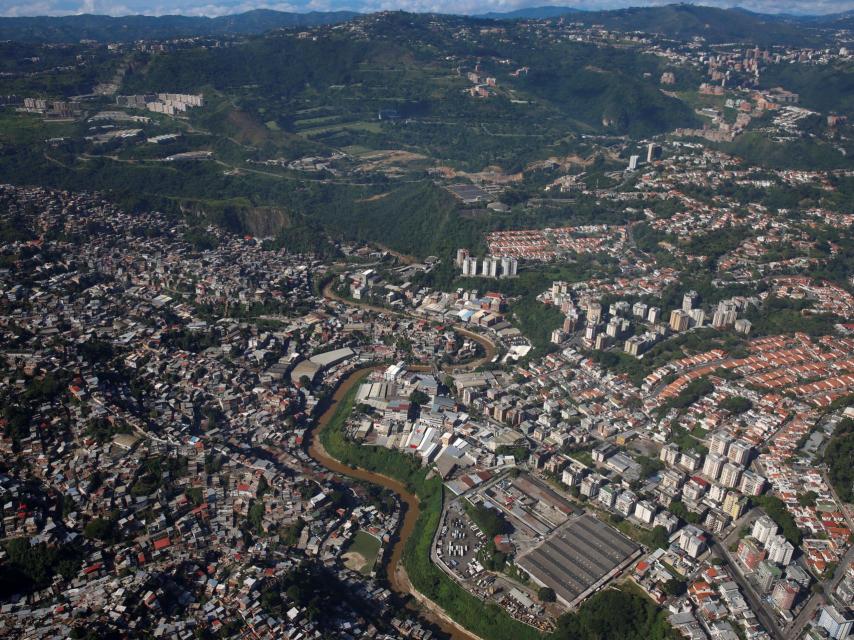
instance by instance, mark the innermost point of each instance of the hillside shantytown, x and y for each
(402, 325)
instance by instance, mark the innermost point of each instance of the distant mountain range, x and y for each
(833, 21)
(131, 28)
(840, 20)
(529, 13)
(681, 21)
(684, 21)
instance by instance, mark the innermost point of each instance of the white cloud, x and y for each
(225, 7)
(29, 9)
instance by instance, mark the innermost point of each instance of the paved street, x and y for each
(753, 598)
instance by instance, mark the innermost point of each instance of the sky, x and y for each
(213, 8)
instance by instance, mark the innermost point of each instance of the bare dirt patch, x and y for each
(355, 561)
(374, 198)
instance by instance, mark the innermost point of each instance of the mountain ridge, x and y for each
(683, 21)
(73, 28)
(679, 21)
(528, 13)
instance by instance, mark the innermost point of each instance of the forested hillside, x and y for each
(414, 64)
(686, 21)
(131, 28)
(825, 88)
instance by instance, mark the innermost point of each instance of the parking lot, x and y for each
(458, 543)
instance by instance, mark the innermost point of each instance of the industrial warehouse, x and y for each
(579, 558)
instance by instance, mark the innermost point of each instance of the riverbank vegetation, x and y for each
(638, 617)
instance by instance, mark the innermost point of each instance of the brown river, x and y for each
(398, 580)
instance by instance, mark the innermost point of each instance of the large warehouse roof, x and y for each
(305, 368)
(579, 558)
(331, 358)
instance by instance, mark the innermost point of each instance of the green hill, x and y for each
(529, 13)
(415, 65)
(681, 21)
(825, 88)
(686, 21)
(131, 28)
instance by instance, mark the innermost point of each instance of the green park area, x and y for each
(361, 554)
